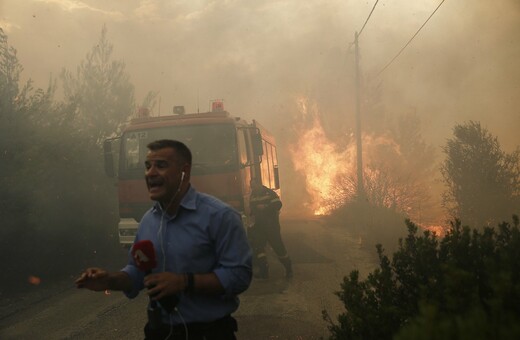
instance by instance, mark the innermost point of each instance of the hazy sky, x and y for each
(259, 56)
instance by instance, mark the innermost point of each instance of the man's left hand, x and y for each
(164, 284)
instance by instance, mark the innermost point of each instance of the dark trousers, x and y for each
(222, 329)
(262, 234)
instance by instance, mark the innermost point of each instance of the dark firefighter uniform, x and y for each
(265, 208)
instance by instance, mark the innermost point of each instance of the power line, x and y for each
(372, 11)
(409, 41)
(369, 15)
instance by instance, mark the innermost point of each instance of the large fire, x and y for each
(329, 168)
(319, 159)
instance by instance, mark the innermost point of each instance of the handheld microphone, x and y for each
(143, 254)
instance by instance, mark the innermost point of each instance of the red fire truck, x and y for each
(227, 152)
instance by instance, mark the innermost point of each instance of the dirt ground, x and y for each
(275, 308)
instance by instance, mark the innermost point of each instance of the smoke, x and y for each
(463, 65)
(260, 56)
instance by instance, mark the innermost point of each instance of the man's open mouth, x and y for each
(154, 184)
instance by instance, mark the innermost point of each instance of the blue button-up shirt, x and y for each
(206, 235)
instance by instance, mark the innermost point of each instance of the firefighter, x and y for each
(265, 209)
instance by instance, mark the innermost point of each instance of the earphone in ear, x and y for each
(182, 176)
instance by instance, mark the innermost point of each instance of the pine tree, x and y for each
(100, 91)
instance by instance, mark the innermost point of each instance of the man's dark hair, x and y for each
(181, 148)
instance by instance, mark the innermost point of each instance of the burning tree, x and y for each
(398, 165)
(398, 174)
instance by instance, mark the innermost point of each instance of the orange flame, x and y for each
(329, 168)
(34, 280)
(320, 161)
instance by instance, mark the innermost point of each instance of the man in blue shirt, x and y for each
(203, 256)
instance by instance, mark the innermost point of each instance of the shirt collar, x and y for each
(188, 202)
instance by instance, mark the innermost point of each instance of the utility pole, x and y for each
(360, 185)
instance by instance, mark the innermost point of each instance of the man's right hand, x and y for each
(95, 279)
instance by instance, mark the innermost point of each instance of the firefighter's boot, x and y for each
(286, 261)
(263, 267)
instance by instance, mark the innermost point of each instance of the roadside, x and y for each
(322, 256)
(271, 309)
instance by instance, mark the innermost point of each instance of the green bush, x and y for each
(464, 286)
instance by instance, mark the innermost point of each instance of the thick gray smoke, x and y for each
(259, 56)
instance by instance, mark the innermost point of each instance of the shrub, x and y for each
(465, 286)
(482, 181)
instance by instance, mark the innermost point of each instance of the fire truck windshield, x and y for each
(213, 147)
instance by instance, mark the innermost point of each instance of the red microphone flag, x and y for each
(143, 253)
